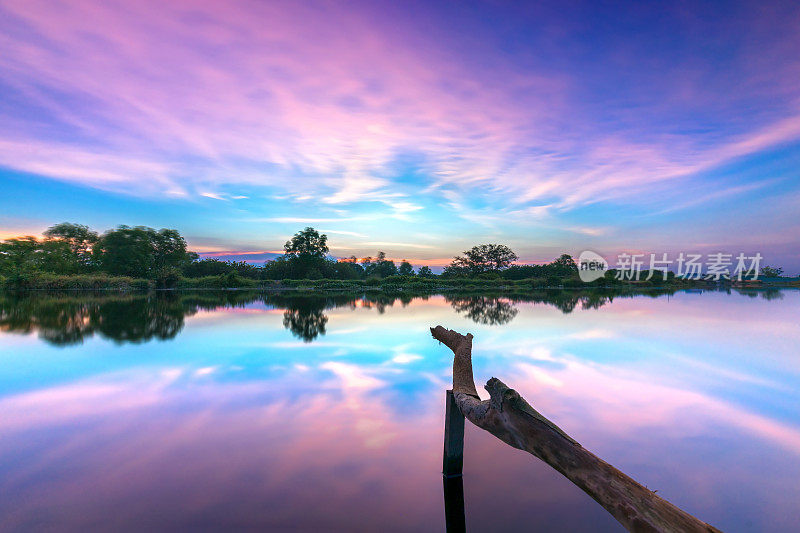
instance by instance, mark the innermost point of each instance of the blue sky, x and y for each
(419, 129)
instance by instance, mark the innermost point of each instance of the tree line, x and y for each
(71, 249)
(162, 255)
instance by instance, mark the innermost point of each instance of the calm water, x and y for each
(234, 410)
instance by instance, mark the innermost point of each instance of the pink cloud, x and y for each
(168, 84)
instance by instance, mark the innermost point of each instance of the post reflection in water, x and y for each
(281, 411)
(455, 521)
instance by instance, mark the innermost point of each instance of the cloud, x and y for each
(353, 377)
(340, 232)
(213, 195)
(319, 101)
(405, 358)
(400, 245)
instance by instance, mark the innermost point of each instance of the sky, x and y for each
(416, 128)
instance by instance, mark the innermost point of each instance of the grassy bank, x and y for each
(54, 282)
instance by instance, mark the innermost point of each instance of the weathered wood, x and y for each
(453, 457)
(510, 418)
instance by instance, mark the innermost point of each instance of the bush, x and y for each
(55, 282)
(231, 280)
(553, 281)
(168, 278)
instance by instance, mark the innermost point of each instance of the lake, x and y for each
(250, 411)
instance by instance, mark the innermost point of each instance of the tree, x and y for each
(483, 258)
(517, 272)
(206, 267)
(18, 254)
(455, 270)
(170, 249)
(380, 268)
(27, 254)
(405, 269)
(348, 269)
(304, 256)
(307, 242)
(79, 238)
(564, 266)
(425, 272)
(141, 252)
(58, 257)
(126, 251)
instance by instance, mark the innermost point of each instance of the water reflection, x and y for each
(485, 310)
(239, 423)
(453, 488)
(305, 321)
(66, 319)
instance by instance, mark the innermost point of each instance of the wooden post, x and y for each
(453, 460)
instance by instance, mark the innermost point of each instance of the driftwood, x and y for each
(507, 416)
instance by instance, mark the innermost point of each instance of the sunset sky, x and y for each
(417, 128)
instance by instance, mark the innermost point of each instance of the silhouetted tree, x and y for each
(307, 242)
(563, 266)
(405, 269)
(206, 267)
(425, 272)
(304, 257)
(348, 269)
(381, 267)
(483, 258)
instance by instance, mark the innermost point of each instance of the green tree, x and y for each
(78, 237)
(425, 272)
(169, 249)
(381, 267)
(348, 269)
(58, 257)
(307, 242)
(456, 269)
(142, 252)
(126, 251)
(304, 257)
(18, 254)
(206, 267)
(564, 266)
(517, 272)
(482, 258)
(405, 269)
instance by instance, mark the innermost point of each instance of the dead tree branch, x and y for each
(507, 416)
